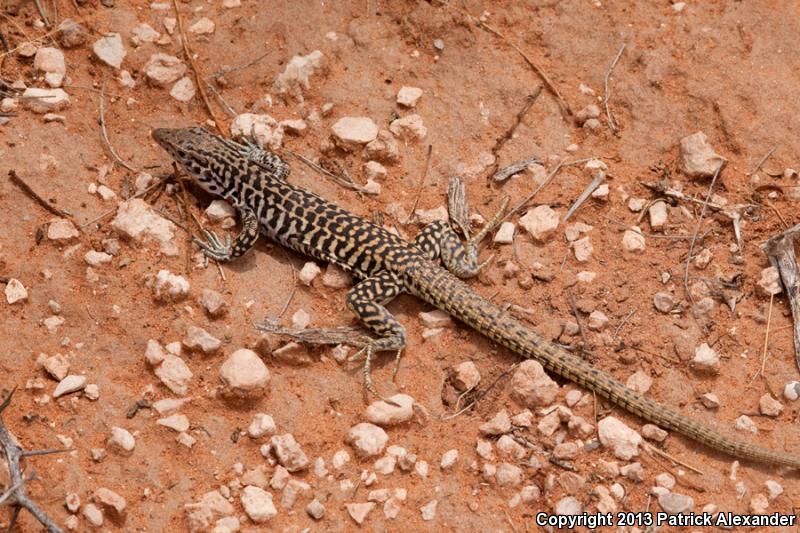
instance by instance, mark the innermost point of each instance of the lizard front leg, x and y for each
(214, 248)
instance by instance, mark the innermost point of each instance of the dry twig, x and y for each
(105, 132)
(611, 122)
(482, 393)
(781, 252)
(697, 230)
(12, 175)
(509, 133)
(15, 495)
(764, 159)
(421, 181)
(536, 68)
(199, 81)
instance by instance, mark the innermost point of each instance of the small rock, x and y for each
(244, 375)
(121, 441)
(505, 235)
(435, 319)
(359, 511)
(449, 458)
(199, 340)
(582, 248)
(204, 26)
(663, 302)
(655, 433)
(309, 271)
(96, 259)
(428, 511)
(674, 503)
(257, 504)
(15, 291)
(759, 504)
(340, 459)
(568, 506)
(301, 319)
(297, 73)
(183, 90)
(633, 240)
(353, 132)
(163, 69)
(374, 170)
(597, 320)
(93, 515)
(143, 33)
(769, 406)
(384, 149)
(336, 278)
(213, 302)
(280, 478)
(289, 453)
(367, 439)
(315, 509)
(71, 34)
(73, 502)
(706, 359)
(466, 376)
(69, 385)
(51, 61)
(294, 126)
(294, 489)
(636, 204)
(110, 501)
(110, 50)
(385, 414)
(697, 159)
(500, 424)
(791, 391)
(409, 96)
(176, 422)
(745, 423)
(263, 128)
(508, 448)
(588, 112)
(658, 215)
(408, 128)
(770, 281)
(137, 221)
(61, 229)
(623, 440)
(45, 100)
(261, 425)
(710, 400)
(57, 366)
(174, 374)
(774, 488)
(541, 222)
(531, 387)
(601, 192)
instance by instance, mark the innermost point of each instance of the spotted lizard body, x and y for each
(254, 182)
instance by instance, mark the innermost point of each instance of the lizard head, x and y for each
(202, 154)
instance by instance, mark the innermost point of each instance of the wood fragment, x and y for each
(599, 178)
(514, 168)
(198, 79)
(42, 13)
(781, 253)
(104, 132)
(19, 182)
(351, 336)
(606, 91)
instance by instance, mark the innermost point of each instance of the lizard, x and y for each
(254, 182)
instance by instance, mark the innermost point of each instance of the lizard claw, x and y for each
(213, 247)
(367, 351)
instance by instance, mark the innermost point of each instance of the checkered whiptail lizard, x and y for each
(254, 182)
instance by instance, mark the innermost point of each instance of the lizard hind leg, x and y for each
(367, 301)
